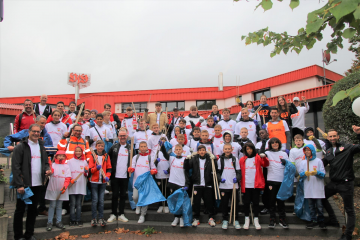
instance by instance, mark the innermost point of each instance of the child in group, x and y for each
(227, 124)
(297, 154)
(99, 132)
(209, 126)
(193, 119)
(130, 121)
(58, 184)
(141, 163)
(93, 114)
(183, 129)
(244, 139)
(141, 134)
(317, 143)
(177, 131)
(262, 145)
(228, 173)
(202, 178)
(206, 142)
(252, 181)
(56, 129)
(77, 189)
(249, 123)
(177, 178)
(107, 123)
(217, 140)
(228, 138)
(162, 167)
(314, 190)
(98, 182)
(154, 137)
(192, 143)
(275, 176)
(181, 141)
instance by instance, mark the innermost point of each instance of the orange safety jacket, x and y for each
(105, 165)
(69, 147)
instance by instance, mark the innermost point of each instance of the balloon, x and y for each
(356, 106)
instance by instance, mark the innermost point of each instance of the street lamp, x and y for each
(326, 60)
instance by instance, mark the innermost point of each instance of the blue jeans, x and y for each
(75, 203)
(316, 206)
(55, 205)
(97, 192)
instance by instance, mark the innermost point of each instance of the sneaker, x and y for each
(72, 224)
(141, 219)
(311, 225)
(282, 222)
(181, 222)
(106, 191)
(79, 224)
(63, 212)
(237, 225)
(175, 222)
(60, 225)
(272, 223)
(333, 224)
(247, 223)
(160, 210)
(257, 224)
(122, 218)
(112, 218)
(195, 223)
(322, 225)
(93, 223)
(102, 222)
(137, 211)
(225, 224)
(211, 222)
(166, 210)
(264, 211)
(294, 213)
(49, 226)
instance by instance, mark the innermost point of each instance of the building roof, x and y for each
(10, 109)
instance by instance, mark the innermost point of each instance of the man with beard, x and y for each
(26, 118)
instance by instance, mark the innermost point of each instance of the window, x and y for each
(205, 104)
(139, 107)
(170, 106)
(257, 95)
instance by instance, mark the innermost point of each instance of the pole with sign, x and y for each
(79, 81)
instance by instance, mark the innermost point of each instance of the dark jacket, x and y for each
(116, 119)
(113, 154)
(47, 111)
(194, 164)
(341, 165)
(220, 171)
(21, 164)
(264, 111)
(287, 115)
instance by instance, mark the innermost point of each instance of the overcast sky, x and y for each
(136, 45)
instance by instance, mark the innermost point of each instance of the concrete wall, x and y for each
(5, 121)
(294, 86)
(247, 97)
(188, 104)
(229, 102)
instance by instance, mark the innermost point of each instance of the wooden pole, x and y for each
(232, 204)
(257, 110)
(97, 162)
(234, 193)
(134, 111)
(131, 153)
(192, 195)
(308, 178)
(80, 111)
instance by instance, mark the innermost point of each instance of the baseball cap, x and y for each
(296, 99)
(175, 109)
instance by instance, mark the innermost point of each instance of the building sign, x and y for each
(80, 79)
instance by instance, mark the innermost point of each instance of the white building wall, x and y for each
(221, 103)
(188, 104)
(229, 102)
(151, 106)
(300, 85)
(247, 97)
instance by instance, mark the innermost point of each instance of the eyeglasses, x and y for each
(122, 135)
(35, 131)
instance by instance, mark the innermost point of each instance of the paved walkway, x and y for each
(9, 206)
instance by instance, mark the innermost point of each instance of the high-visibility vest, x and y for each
(277, 130)
(69, 147)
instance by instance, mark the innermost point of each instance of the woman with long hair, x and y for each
(285, 110)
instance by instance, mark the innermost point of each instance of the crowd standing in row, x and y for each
(248, 155)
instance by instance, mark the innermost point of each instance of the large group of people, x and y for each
(62, 156)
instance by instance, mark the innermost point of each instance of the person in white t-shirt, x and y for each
(298, 119)
(249, 123)
(296, 155)
(181, 141)
(314, 188)
(275, 177)
(99, 131)
(209, 126)
(227, 124)
(107, 123)
(141, 134)
(317, 143)
(55, 128)
(192, 143)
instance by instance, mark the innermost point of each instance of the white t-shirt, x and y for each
(250, 126)
(257, 116)
(211, 131)
(56, 131)
(259, 144)
(142, 165)
(194, 120)
(227, 126)
(41, 109)
(202, 169)
(35, 164)
(176, 123)
(77, 167)
(218, 141)
(186, 151)
(207, 147)
(298, 119)
(296, 156)
(192, 144)
(141, 136)
(319, 154)
(121, 162)
(111, 127)
(250, 172)
(130, 124)
(174, 142)
(177, 175)
(314, 187)
(275, 168)
(161, 166)
(158, 118)
(228, 173)
(103, 131)
(85, 130)
(56, 182)
(73, 116)
(235, 150)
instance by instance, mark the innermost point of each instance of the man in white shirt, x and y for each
(227, 124)
(99, 131)
(42, 108)
(30, 166)
(298, 119)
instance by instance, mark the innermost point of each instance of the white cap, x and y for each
(296, 99)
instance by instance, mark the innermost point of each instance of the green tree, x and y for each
(355, 48)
